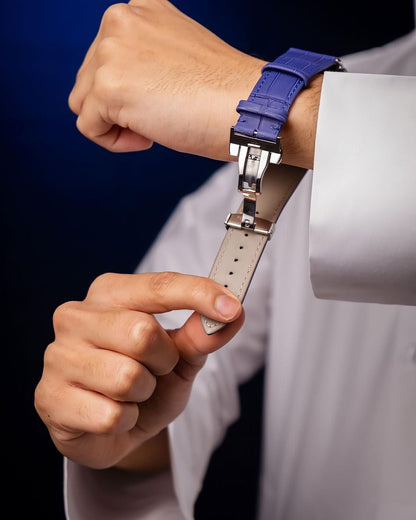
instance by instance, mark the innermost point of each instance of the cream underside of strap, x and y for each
(241, 249)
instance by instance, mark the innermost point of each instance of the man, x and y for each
(340, 371)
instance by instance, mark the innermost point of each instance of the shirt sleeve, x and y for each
(363, 209)
(114, 494)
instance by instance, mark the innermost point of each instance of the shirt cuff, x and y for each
(112, 493)
(362, 241)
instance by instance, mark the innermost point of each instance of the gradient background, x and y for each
(71, 210)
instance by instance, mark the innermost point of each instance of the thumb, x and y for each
(194, 344)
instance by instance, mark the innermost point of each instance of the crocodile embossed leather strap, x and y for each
(266, 184)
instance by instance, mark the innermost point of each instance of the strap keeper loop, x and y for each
(280, 67)
(277, 114)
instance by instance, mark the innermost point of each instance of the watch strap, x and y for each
(266, 109)
(266, 185)
(241, 248)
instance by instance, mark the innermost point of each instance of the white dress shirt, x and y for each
(330, 313)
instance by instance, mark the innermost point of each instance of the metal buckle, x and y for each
(254, 156)
(261, 225)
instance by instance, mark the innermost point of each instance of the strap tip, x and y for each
(211, 326)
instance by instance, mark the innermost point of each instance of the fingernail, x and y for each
(227, 306)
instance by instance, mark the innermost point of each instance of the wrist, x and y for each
(299, 133)
(244, 72)
(150, 457)
(282, 107)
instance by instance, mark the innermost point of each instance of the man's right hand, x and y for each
(114, 378)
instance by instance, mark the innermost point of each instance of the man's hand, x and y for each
(154, 74)
(114, 378)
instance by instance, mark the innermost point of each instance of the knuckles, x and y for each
(109, 82)
(160, 283)
(116, 17)
(126, 377)
(142, 334)
(202, 288)
(74, 101)
(51, 356)
(66, 315)
(40, 400)
(107, 48)
(103, 284)
(108, 421)
(132, 383)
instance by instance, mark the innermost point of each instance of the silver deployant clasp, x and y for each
(254, 156)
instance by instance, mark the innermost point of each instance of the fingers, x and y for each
(90, 100)
(194, 344)
(116, 321)
(134, 334)
(95, 97)
(87, 389)
(162, 292)
(118, 377)
(95, 122)
(76, 410)
(113, 24)
(117, 316)
(110, 354)
(84, 80)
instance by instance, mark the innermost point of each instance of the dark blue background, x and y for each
(71, 210)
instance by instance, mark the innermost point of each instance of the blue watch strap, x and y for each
(266, 185)
(266, 109)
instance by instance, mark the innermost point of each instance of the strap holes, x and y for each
(246, 234)
(235, 259)
(230, 273)
(225, 285)
(241, 247)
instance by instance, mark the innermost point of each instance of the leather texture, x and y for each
(241, 249)
(266, 110)
(262, 116)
